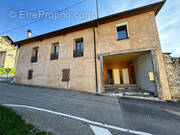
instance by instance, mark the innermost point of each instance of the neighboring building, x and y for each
(122, 48)
(8, 53)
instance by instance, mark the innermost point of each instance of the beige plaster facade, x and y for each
(142, 32)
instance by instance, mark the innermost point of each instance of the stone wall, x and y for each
(173, 73)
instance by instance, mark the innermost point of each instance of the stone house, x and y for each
(117, 50)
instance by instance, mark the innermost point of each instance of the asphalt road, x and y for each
(67, 112)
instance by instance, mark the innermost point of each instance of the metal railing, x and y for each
(78, 53)
(33, 59)
(54, 56)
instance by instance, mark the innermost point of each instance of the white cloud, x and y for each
(168, 21)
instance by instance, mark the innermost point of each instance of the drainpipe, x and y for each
(16, 58)
(95, 62)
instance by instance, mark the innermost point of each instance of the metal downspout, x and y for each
(95, 62)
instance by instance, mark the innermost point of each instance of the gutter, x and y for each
(95, 62)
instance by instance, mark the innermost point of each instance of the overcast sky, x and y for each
(14, 13)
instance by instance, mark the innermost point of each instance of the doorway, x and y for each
(110, 80)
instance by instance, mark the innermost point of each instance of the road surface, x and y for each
(67, 112)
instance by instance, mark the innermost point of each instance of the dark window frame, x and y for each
(3, 54)
(34, 57)
(122, 29)
(79, 48)
(54, 53)
(30, 75)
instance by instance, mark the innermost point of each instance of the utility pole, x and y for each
(97, 9)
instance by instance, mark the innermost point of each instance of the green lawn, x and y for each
(3, 71)
(12, 124)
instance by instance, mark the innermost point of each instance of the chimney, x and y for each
(29, 33)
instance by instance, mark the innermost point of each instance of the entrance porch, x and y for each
(129, 73)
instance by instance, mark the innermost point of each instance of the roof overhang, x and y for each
(152, 7)
(8, 38)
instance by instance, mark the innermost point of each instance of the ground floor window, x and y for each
(66, 75)
(30, 74)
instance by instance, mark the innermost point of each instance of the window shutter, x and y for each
(66, 75)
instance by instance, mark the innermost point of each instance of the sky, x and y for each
(42, 16)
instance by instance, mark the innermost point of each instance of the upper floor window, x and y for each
(122, 32)
(54, 51)
(79, 48)
(34, 55)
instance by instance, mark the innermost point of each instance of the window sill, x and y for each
(53, 59)
(123, 39)
(34, 62)
(78, 57)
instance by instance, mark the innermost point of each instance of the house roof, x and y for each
(8, 38)
(152, 7)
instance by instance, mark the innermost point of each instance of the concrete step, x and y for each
(120, 87)
(142, 94)
(138, 93)
(126, 90)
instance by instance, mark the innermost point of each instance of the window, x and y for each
(122, 32)
(54, 51)
(34, 55)
(2, 58)
(66, 75)
(7, 44)
(79, 48)
(30, 74)
(10, 56)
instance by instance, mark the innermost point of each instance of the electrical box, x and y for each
(151, 76)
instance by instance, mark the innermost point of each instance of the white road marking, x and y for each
(100, 131)
(80, 119)
(172, 111)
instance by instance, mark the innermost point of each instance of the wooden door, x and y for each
(125, 75)
(116, 76)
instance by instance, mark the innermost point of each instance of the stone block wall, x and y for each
(173, 73)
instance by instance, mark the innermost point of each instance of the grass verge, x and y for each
(12, 124)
